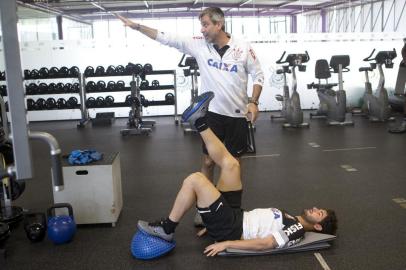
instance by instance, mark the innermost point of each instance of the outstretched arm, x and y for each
(150, 32)
(251, 244)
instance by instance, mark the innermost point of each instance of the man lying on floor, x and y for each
(220, 207)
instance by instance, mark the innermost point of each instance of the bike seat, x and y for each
(365, 69)
(322, 70)
(336, 60)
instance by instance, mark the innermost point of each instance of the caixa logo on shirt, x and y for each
(222, 66)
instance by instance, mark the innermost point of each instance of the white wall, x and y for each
(139, 49)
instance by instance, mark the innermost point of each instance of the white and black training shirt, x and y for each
(264, 222)
(226, 75)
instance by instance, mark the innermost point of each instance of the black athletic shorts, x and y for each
(232, 131)
(222, 221)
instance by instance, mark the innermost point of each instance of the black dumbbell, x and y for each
(34, 74)
(40, 104)
(109, 101)
(42, 88)
(59, 87)
(99, 71)
(129, 100)
(129, 68)
(144, 84)
(101, 86)
(76, 88)
(61, 103)
(6, 105)
(72, 103)
(91, 102)
(27, 74)
(50, 103)
(2, 75)
(3, 90)
(53, 72)
(89, 71)
(155, 83)
(120, 70)
(63, 72)
(90, 86)
(111, 86)
(120, 85)
(170, 98)
(43, 73)
(32, 89)
(147, 68)
(138, 69)
(67, 88)
(74, 71)
(30, 104)
(100, 102)
(51, 88)
(111, 70)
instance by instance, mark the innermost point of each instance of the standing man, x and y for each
(224, 62)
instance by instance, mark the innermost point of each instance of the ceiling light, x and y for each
(246, 2)
(98, 6)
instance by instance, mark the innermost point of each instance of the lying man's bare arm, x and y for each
(251, 244)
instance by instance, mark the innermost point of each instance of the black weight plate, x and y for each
(17, 188)
(11, 215)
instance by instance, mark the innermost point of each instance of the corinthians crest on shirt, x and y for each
(236, 54)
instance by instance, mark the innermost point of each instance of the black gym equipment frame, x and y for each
(135, 121)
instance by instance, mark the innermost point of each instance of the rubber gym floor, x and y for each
(358, 171)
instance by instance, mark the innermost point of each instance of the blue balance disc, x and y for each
(146, 247)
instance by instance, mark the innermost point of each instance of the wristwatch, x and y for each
(251, 100)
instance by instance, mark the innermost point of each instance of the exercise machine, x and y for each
(397, 101)
(376, 105)
(135, 124)
(322, 71)
(291, 112)
(333, 103)
(190, 69)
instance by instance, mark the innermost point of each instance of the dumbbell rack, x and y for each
(52, 93)
(136, 125)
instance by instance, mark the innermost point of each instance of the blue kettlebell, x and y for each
(61, 229)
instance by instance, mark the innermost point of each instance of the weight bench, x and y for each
(311, 241)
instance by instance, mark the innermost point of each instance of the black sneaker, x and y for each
(198, 108)
(155, 229)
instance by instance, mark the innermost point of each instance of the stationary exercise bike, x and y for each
(190, 69)
(376, 105)
(333, 104)
(291, 111)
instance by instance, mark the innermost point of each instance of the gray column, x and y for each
(59, 23)
(15, 90)
(323, 15)
(293, 24)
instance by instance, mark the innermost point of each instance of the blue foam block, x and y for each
(146, 247)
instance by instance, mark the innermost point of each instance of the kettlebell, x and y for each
(61, 229)
(35, 226)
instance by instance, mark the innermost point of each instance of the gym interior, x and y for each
(92, 136)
